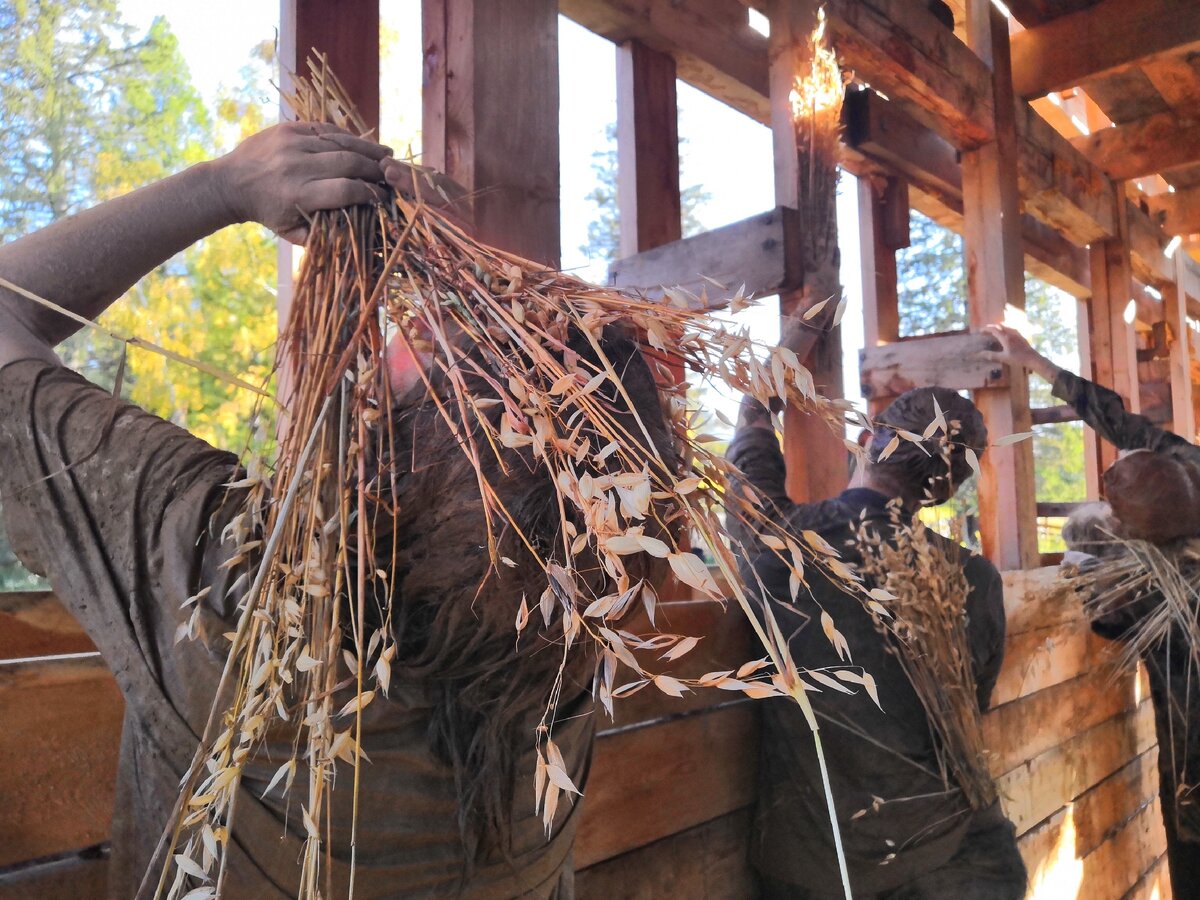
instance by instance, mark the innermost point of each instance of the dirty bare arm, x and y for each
(87, 261)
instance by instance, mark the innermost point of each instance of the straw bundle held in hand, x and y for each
(925, 586)
(520, 381)
(1155, 590)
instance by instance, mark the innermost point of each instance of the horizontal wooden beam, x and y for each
(901, 49)
(59, 746)
(1143, 147)
(1109, 38)
(759, 253)
(711, 41)
(885, 133)
(690, 770)
(946, 360)
(1178, 212)
(1057, 510)
(34, 624)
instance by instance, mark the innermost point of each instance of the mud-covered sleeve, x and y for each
(986, 626)
(1105, 412)
(106, 500)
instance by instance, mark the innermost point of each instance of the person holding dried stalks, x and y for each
(130, 517)
(917, 812)
(1137, 562)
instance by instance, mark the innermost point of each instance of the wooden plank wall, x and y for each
(668, 810)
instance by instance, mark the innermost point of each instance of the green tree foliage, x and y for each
(91, 110)
(604, 235)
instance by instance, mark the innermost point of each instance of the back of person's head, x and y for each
(932, 469)
(1093, 529)
(1155, 496)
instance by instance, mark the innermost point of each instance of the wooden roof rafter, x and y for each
(1103, 39)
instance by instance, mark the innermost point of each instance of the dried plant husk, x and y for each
(926, 591)
(525, 380)
(1147, 596)
(816, 99)
(1155, 589)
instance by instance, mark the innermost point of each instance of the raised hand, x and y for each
(279, 176)
(1015, 350)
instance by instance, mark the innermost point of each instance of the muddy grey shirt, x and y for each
(123, 512)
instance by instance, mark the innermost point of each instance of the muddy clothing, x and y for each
(124, 513)
(1104, 411)
(1172, 688)
(881, 761)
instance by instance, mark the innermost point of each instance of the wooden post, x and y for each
(882, 230)
(648, 199)
(1114, 355)
(1091, 452)
(995, 277)
(649, 206)
(347, 33)
(490, 115)
(1183, 417)
(817, 460)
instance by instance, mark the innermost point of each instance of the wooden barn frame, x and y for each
(976, 127)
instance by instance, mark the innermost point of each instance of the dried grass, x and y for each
(489, 319)
(1124, 578)
(923, 582)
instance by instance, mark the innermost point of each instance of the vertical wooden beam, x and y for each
(649, 204)
(1114, 354)
(882, 230)
(490, 115)
(1183, 417)
(1091, 452)
(648, 198)
(347, 33)
(817, 461)
(995, 277)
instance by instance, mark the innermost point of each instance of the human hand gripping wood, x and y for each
(1015, 350)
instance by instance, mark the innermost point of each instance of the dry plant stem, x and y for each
(134, 341)
(512, 385)
(929, 639)
(232, 658)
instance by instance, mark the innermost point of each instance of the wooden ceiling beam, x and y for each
(1106, 39)
(895, 45)
(902, 50)
(1179, 212)
(886, 134)
(711, 41)
(1157, 143)
(1177, 79)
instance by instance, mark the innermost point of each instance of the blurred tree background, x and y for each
(91, 110)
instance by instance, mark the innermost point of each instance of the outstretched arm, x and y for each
(1099, 407)
(1016, 351)
(87, 261)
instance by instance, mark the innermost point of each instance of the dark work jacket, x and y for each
(880, 760)
(1104, 411)
(1175, 695)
